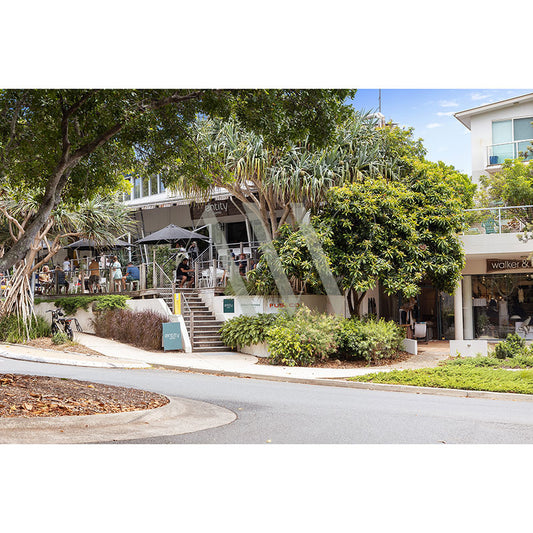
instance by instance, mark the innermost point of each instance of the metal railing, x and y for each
(498, 153)
(498, 219)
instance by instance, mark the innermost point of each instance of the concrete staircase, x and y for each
(205, 336)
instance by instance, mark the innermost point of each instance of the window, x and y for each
(510, 139)
(153, 185)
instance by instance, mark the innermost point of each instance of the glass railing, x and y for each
(498, 153)
(498, 219)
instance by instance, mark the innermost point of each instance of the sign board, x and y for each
(229, 305)
(177, 303)
(172, 336)
(498, 265)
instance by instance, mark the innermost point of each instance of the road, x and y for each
(277, 412)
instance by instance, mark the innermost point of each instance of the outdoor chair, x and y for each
(421, 331)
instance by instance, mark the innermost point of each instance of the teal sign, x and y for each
(171, 336)
(229, 305)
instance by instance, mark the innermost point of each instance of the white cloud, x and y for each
(448, 103)
(479, 96)
(434, 125)
(445, 113)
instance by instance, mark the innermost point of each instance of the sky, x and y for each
(430, 112)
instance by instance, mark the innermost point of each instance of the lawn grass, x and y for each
(458, 376)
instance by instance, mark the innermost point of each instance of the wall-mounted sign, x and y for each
(498, 265)
(171, 336)
(229, 305)
(218, 208)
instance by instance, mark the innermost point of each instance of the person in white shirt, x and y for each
(66, 265)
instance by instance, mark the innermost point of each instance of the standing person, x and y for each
(94, 275)
(242, 263)
(193, 251)
(66, 265)
(116, 272)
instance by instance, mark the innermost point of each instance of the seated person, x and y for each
(45, 279)
(60, 279)
(183, 274)
(94, 276)
(242, 263)
(132, 274)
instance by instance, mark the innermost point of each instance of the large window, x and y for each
(511, 139)
(144, 187)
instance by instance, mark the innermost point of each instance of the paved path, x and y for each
(116, 355)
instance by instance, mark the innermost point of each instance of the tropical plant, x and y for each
(512, 346)
(246, 330)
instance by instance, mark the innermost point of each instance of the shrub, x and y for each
(12, 328)
(140, 328)
(369, 339)
(246, 330)
(512, 346)
(60, 338)
(71, 304)
(303, 338)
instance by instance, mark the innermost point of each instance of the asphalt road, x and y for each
(277, 412)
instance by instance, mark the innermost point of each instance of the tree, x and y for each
(270, 179)
(98, 218)
(77, 143)
(512, 186)
(395, 233)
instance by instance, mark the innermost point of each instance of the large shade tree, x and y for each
(76, 143)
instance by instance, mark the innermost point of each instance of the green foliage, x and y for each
(71, 304)
(139, 328)
(246, 330)
(523, 360)
(369, 339)
(60, 338)
(12, 328)
(110, 301)
(452, 376)
(163, 255)
(512, 346)
(303, 338)
(513, 185)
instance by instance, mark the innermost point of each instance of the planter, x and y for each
(259, 350)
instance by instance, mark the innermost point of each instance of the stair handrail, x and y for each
(185, 303)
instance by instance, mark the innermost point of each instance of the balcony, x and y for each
(498, 153)
(498, 219)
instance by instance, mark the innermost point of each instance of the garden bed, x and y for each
(42, 396)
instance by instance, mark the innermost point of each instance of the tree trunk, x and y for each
(354, 301)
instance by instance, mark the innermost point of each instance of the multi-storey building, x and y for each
(495, 296)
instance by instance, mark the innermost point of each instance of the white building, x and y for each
(499, 131)
(495, 296)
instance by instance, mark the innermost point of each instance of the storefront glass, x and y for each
(501, 304)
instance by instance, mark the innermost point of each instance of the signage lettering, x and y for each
(496, 265)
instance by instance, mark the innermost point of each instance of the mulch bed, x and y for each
(34, 396)
(72, 347)
(336, 363)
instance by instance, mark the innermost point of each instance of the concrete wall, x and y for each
(249, 305)
(85, 318)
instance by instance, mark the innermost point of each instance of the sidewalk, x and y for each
(118, 355)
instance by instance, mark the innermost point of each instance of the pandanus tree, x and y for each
(271, 179)
(100, 218)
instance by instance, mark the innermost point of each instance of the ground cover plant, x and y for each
(140, 328)
(458, 377)
(508, 369)
(306, 338)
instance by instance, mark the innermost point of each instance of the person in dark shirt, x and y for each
(60, 279)
(183, 274)
(132, 274)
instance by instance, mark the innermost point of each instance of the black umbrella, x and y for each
(171, 233)
(89, 244)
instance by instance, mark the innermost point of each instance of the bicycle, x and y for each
(61, 324)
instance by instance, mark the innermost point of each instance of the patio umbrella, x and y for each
(89, 244)
(170, 233)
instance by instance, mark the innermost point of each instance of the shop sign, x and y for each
(217, 208)
(229, 305)
(171, 336)
(497, 265)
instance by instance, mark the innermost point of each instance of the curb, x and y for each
(177, 417)
(336, 382)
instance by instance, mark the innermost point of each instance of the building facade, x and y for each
(495, 296)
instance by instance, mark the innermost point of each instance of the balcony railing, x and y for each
(498, 219)
(498, 153)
